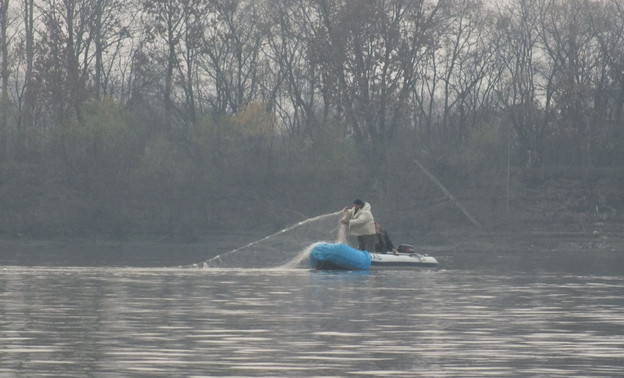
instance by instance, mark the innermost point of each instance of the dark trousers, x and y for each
(367, 242)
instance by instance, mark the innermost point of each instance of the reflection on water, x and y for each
(468, 321)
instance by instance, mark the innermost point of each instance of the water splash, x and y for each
(285, 249)
(299, 259)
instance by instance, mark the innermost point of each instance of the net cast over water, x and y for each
(287, 248)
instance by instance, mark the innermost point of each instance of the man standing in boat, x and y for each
(361, 224)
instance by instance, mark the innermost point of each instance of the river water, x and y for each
(527, 313)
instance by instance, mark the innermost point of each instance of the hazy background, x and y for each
(123, 118)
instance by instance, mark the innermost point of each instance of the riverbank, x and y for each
(545, 210)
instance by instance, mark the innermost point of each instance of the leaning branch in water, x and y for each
(448, 194)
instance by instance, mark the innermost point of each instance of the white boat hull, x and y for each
(402, 260)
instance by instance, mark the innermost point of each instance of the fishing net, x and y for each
(287, 248)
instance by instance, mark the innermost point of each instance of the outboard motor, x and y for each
(406, 248)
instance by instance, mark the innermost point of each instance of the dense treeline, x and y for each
(181, 116)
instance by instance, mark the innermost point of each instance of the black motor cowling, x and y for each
(406, 248)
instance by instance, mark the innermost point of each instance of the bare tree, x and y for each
(4, 76)
(178, 26)
(608, 98)
(291, 48)
(193, 12)
(566, 34)
(370, 53)
(456, 74)
(27, 114)
(59, 63)
(166, 23)
(232, 42)
(109, 29)
(526, 88)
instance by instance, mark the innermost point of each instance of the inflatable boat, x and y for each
(342, 256)
(339, 256)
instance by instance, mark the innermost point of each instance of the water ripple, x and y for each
(184, 322)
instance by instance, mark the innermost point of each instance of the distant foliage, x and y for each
(179, 117)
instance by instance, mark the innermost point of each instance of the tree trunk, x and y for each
(98, 50)
(4, 73)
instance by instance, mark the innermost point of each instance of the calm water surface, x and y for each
(524, 314)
